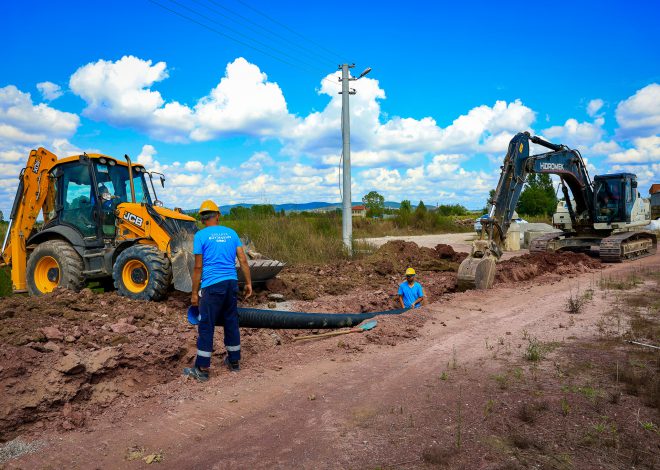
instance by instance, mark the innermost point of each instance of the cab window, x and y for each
(78, 199)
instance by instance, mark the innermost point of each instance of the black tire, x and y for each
(142, 272)
(67, 273)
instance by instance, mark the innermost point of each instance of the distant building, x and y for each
(655, 201)
(359, 211)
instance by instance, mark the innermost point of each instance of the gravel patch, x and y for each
(17, 447)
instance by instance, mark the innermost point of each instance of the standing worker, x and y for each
(215, 248)
(411, 294)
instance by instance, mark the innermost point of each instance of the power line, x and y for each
(199, 23)
(239, 33)
(291, 30)
(310, 52)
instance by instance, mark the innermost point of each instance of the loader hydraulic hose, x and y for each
(278, 319)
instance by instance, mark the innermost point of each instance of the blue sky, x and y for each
(451, 83)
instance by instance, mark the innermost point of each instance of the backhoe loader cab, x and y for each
(99, 223)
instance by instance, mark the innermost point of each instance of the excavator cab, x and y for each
(615, 196)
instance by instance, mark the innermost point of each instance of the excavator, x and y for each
(102, 222)
(604, 212)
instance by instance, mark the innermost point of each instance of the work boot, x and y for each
(196, 373)
(233, 366)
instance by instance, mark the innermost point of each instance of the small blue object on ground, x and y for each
(193, 315)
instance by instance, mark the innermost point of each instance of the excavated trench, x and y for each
(65, 357)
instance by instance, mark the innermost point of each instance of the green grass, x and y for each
(305, 238)
(315, 238)
(5, 281)
(295, 239)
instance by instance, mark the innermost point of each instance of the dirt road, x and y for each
(342, 402)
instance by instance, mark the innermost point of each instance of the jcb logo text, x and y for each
(134, 219)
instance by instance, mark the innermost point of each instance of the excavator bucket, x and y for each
(476, 273)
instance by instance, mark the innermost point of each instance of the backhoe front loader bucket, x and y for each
(183, 261)
(183, 264)
(476, 273)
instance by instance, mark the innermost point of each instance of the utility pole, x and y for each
(347, 205)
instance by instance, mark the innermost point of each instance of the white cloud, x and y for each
(400, 141)
(22, 122)
(120, 93)
(25, 125)
(594, 106)
(408, 157)
(645, 150)
(639, 115)
(146, 156)
(244, 102)
(574, 133)
(647, 174)
(259, 179)
(49, 90)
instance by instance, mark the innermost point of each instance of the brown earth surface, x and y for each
(89, 362)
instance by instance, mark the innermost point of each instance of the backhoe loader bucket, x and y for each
(476, 273)
(183, 261)
(183, 264)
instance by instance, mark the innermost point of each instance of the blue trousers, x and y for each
(217, 306)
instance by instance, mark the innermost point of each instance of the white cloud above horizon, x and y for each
(400, 156)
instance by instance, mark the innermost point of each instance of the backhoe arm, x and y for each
(31, 197)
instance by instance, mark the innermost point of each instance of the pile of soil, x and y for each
(532, 265)
(396, 256)
(382, 270)
(66, 356)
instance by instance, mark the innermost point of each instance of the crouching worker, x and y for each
(411, 294)
(215, 248)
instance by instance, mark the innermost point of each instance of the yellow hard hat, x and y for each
(208, 206)
(410, 272)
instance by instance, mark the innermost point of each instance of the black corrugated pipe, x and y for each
(278, 319)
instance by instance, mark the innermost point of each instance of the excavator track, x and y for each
(626, 246)
(540, 243)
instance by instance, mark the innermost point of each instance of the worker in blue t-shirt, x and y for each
(411, 294)
(216, 248)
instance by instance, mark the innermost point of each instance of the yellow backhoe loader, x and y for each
(101, 223)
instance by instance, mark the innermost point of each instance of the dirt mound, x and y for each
(382, 270)
(447, 252)
(66, 356)
(532, 265)
(394, 257)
